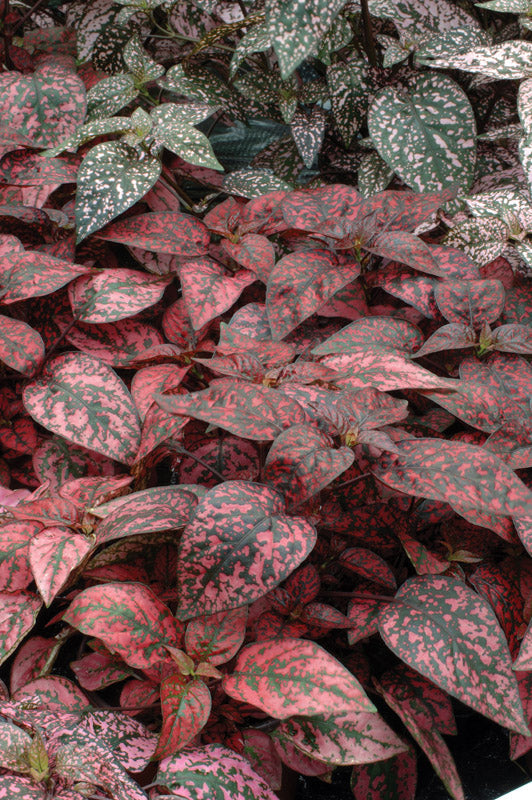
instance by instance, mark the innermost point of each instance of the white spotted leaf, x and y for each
(112, 177)
(426, 136)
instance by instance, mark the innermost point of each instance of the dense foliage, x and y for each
(265, 392)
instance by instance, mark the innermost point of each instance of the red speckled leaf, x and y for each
(254, 252)
(157, 378)
(161, 232)
(287, 677)
(32, 273)
(239, 545)
(54, 553)
(441, 628)
(520, 745)
(16, 787)
(15, 571)
(470, 302)
(302, 461)
(393, 779)
(17, 617)
(209, 289)
(307, 210)
(217, 637)
(400, 210)
(449, 337)
(302, 282)
(297, 760)
(84, 401)
(369, 565)
(19, 436)
(418, 720)
(46, 106)
(253, 412)
(230, 456)
(513, 339)
(212, 771)
(26, 168)
(406, 249)
(158, 509)
(424, 561)
(500, 588)
(114, 294)
(342, 739)
(98, 671)
(387, 333)
(436, 700)
(363, 613)
(14, 741)
(260, 751)
(524, 660)
(186, 706)
(158, 426)
(399, 281)
(115, 343)
(455, 471)
(129, 619)
(30, 660)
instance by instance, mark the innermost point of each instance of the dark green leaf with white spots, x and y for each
(110, 95)
(348, 84)
(428, 135)
(111, 178)
(173, 128)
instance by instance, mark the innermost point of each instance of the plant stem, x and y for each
(200, 461)
(368, 33)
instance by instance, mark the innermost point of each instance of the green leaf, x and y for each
(110, 95)
(296, 28)
(175, 131)
(138, 62)
(428, 135)
(374, 174)
(349, 92)
(112, 177)
(507, 61)
(253, 183)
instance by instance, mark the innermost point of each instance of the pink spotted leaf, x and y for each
(161, 232)
(84, 401)
(470, 302)
(449, 634)
(302, 461)
(393, 779)
(19, 612)
(157, 509)
(186, 705)
(53, 554)
(114, 294)
(217, 637)
(417, 719)
(287, 677)
(368, 565)
(239, 545)
(213, 768)
(129, 619)
(209, 289)
(21, 347)
(356, 737)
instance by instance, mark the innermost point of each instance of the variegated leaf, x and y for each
(217, 637)
(115, 294)
(348, 84)
(84, 401)
(356, 737)
(239, 545)
(21, 347)
(441, 628)
(53, 554)
(288, 677)
(129, 619)
(209, 289)
(428, 136)
(186, 706)
(215, 770)
(161, 232)
(19, 612)
(506, 61)
(111, 178)
(393, 779)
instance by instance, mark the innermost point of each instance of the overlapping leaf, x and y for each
(114, 294)
(239, 545)
(129, 619)
(19, 612)
(441, 628)
(186, 705)
(84, 401)
(162, 232)
(289, 677)
(209, 289)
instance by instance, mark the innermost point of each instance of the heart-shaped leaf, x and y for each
(428, 135)
(83, 400)
(111, 178)
(441, 628)
(288, 677)
(129, 619)
(239, 545)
